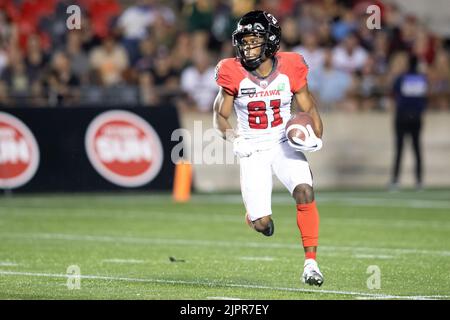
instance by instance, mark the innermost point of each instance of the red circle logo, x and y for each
(124, 148)
(19, 152)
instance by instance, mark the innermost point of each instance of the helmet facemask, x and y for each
(243, 45)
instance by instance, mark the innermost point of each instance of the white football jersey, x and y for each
(263, 105)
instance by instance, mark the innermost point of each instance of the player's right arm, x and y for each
(228, 80)
(223, 107)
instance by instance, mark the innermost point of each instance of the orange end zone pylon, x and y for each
(182, 182)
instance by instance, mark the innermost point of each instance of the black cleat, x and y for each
(269, 230)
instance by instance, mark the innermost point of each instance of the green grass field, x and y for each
(122, 244)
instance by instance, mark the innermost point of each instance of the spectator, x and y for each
(381, 52)
(7, 32)
(310, 50)
(62, 83)
(165, 78)
(324, 34)
(36, 59)
(372, 59)
(290, 35)
(3, 58)
(6, 27)
(163, 32)
(15, 82)
(404, 35)
(199, 22)
(78, 57)
(196, 82)
(410, 91)
(342, 28)
(54, 25)
(307, 22)
(182, 52)
(439, 79)
(103, 14)
(398, 64)
(135, 22)
(423, 47)
(147, 90)
(349, 56)
(314, 57)
(223, 23)
(331, 84)
(147, 52)
(367, 87)
(392, 18)
(110, 60)
(200, 16)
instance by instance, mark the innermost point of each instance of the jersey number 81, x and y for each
(257, 116)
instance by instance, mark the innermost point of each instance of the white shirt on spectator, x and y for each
(135, 21)
(200, 86)
(3, 61)
(332, 84)
(313, 58)
(344, 61)
(110, 65)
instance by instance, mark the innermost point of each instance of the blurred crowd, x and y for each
(151, 52)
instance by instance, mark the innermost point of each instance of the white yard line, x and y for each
(338, 200)
(350, 199)
(215, 243)
(386, 298)
(227, 285)
(236, 218)
(257, 258)
(8, 264)
(122, 261)
(222, 298)
(372, 256)
(386, 202)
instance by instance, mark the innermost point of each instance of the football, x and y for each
(296, 126)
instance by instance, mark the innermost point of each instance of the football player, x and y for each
(260, 84)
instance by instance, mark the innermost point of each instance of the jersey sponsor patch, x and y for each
(248, 91)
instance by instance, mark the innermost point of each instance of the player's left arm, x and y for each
(307, 103)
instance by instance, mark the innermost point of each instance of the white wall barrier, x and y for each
(358, 152)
